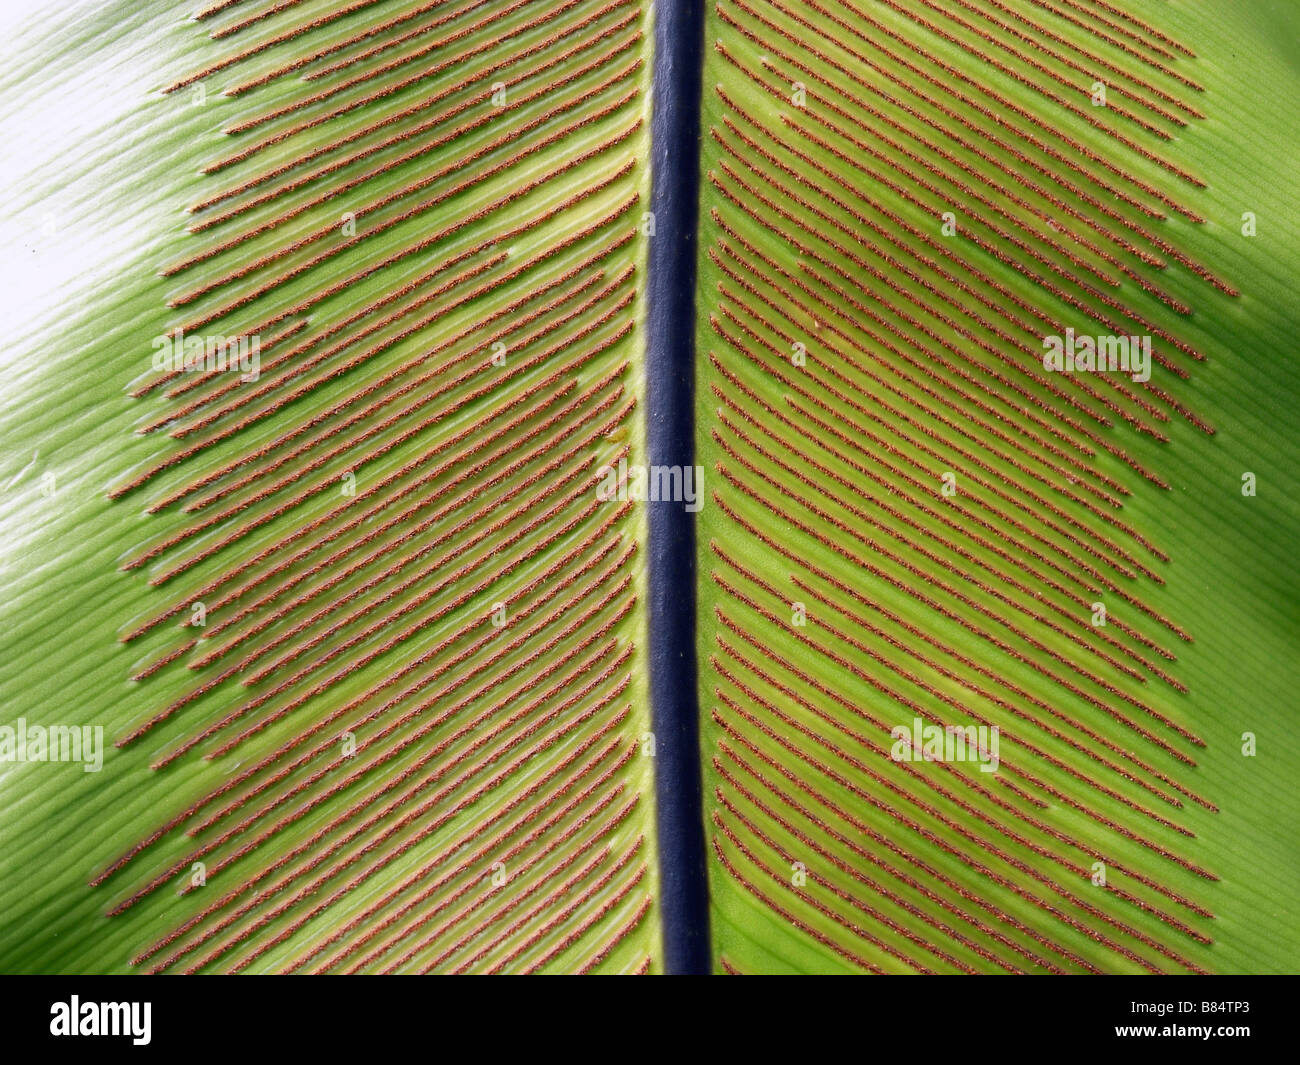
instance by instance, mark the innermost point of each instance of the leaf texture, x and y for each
(916, 522)
(365, 636)
(393, 639)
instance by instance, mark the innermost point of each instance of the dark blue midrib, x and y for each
(670, 395)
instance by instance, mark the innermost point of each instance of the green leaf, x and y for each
(913, 522)
(336, 659)
(372, 679)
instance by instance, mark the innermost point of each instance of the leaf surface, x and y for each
(382, 637)
(367, 636)
(915, 524)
